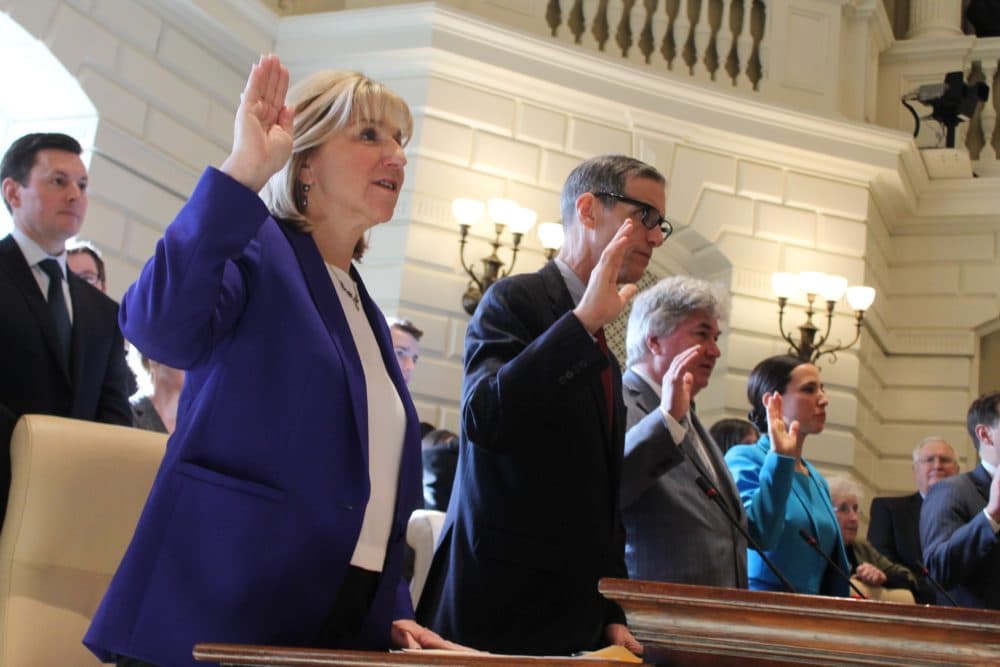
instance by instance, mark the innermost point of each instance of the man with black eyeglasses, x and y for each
(533, 522)
(895, 521)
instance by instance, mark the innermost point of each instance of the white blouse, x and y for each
(386, 429)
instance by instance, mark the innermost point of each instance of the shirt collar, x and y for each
(34, 253)
(573, 283)
(990, 468)
(648, 380)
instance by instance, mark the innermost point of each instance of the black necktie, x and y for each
(57, 304)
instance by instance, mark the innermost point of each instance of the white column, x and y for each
(935, 18)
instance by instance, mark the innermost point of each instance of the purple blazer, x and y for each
(257, 506)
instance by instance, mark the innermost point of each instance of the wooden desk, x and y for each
(699, 625)
(246, 655)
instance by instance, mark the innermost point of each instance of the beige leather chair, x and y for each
(76, 492)
(422, 533)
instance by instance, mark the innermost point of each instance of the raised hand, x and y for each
(993, 506)
(262, 141)
(603, 300)
(676, 387)
(784, 441)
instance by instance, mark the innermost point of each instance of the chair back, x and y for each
(422, 535)
(76, 492)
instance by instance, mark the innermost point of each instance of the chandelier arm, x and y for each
(781, 326)
(513, 255)
(461, 255)
(829, 325)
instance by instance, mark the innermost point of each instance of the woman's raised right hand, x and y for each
(784, 441)
(262, 140)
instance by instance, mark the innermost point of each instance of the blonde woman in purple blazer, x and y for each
(278, 515)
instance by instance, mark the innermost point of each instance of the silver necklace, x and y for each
(354, 296)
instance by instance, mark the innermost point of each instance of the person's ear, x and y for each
(653, 344)
(585, 212)
(983, 435)
(11, 192)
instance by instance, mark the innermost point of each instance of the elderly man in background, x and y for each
(895, 521)
(673, 531)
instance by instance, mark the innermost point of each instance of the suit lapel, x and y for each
(561, 302)
(13, 262)
(328, 305)
(411, 455)
(981, 480)
(721, 469)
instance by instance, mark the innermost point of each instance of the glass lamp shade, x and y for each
(784, 284)
(522, 220)
(467, 211)
(550, 234)
(833, 287)
(812, 282)
(501, 211)
(860, 297)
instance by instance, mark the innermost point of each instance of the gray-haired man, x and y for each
(673, 531)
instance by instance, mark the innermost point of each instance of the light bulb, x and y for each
(860, 296)
(467, 211)
(550, 234)
(522, 220)
(784, 284)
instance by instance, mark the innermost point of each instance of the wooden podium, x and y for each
(246, 656)
(699, 625)
(696, 626)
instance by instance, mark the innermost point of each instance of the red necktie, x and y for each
(602, 343)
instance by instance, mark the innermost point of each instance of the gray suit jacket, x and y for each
(674, 532)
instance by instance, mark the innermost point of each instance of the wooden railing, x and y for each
(719, 41)
(719, 626)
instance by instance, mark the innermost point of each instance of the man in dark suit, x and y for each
(533, 522)
(895, 521)
(60, 347)
(673, 531)
(961, 517)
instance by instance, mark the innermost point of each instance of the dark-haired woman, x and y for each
(783, 493)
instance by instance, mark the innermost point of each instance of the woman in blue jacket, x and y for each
(782, 492)
(279, 512)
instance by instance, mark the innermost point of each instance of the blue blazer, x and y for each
(257, 506)
(776, 511)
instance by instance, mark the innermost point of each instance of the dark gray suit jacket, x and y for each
(959, 544)
(533, 521)
(895, 531)
(673, 531)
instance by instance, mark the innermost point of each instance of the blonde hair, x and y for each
(325, 103)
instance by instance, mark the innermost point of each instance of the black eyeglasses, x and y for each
(648, 215)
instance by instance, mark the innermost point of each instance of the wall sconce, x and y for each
(503, 213)
(831, 288)
(550, 235)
